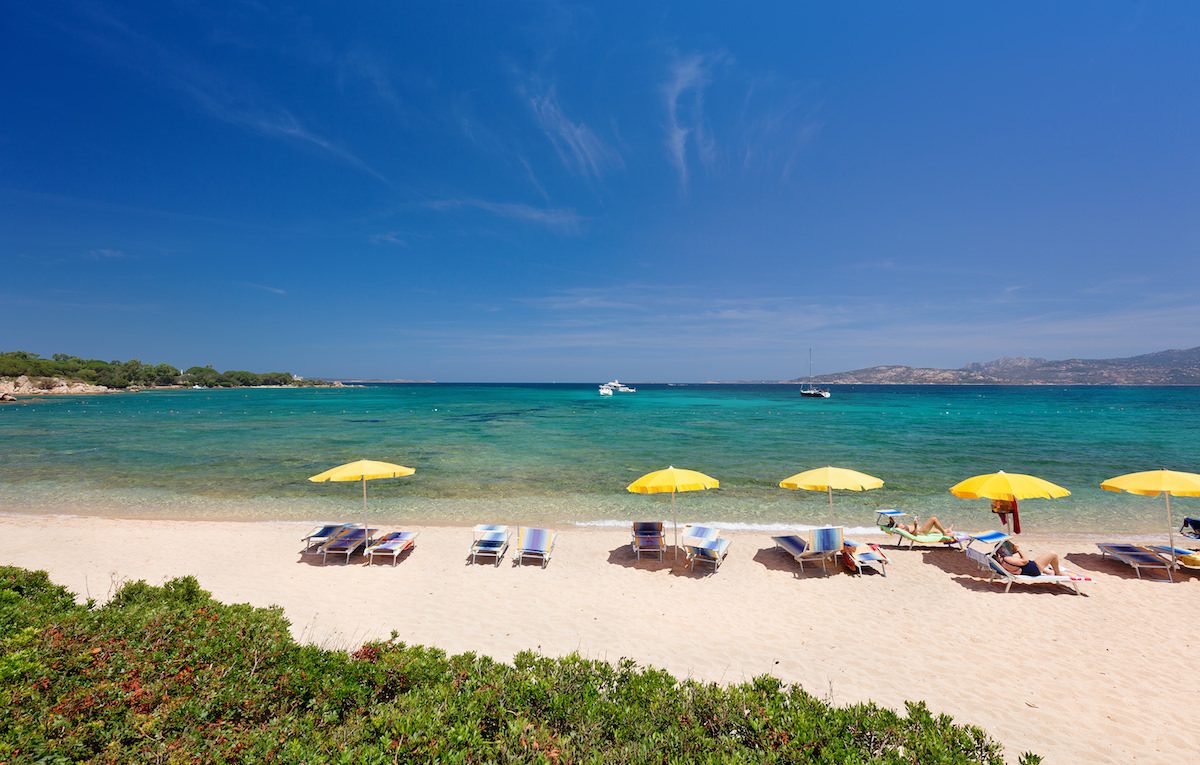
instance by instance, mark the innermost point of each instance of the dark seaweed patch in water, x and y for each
(492, 416)
(364, 420)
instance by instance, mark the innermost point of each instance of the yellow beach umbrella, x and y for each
(673, 480)
(828, 478)
(1151, 483)
(363, 470)
(1008, 486)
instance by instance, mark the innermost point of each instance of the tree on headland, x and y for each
(123, 374)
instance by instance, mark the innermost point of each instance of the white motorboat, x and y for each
(605, 390)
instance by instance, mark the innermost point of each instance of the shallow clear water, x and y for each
(561, 453)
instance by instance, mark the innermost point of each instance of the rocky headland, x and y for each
(1173, 367)
(44, 386)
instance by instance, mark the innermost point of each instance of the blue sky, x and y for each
(547, 191)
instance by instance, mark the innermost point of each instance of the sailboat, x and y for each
(809, 390)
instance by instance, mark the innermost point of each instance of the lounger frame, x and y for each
(347, 542)
(804, 548)
(648, 537)
(540, 553)
(870, 556)
(322, 534)
(925, 540)
(489, 540)
(1138, 557)
(988, 564)
(706, 551)
(1179, 555)
(394, 544)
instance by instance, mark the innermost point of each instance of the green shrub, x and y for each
(167, 674)
(122, 374)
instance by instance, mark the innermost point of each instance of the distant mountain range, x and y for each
(1162, 368)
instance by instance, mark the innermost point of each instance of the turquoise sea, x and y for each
(562, 454)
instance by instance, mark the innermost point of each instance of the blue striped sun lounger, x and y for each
(706, 551)
(692, 531)
(393, 543)
(321, 534)
(648, 537)
(490, 540)
(1181, 555)
(534, 543)
(1190, 528)
(826, 542)
(801, 548)
(864, 554)
(346, 542)
(1137, 556)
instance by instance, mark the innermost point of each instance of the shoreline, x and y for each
(598, 526)
(932, 629)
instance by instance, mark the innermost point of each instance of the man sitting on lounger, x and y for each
(1015, 562)
(924, 527)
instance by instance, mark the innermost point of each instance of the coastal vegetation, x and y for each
(125, 374)
(167, 674)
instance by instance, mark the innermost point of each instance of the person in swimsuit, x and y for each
(1015, 562)
(924, 527)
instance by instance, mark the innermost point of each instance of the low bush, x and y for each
(167, 674)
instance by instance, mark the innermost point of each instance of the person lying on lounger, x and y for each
(924, 527)
(1015, 562)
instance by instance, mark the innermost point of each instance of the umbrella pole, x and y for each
(366, 528)
(829, 490)
(675, 521)
(1171, 529)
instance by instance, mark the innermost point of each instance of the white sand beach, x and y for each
(1103, 677)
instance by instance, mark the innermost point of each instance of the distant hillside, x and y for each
(1172, 367)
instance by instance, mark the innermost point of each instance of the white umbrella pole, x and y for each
(675, 521)
(1170, 529)
(829, 490)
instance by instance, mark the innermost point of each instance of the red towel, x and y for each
(1003, 507)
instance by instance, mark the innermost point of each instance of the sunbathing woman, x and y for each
(1015, 562)
(924, 527)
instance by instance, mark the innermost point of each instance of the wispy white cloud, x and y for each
(583, 299)
(563, 220)
(778, 119)
(263, 287)
(389, 237)
(226, 99)
(683, 98)
(106, 253)
(577, 145)
(365, 66)
(532, 176)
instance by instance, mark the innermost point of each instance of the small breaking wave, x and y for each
(740, 526)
